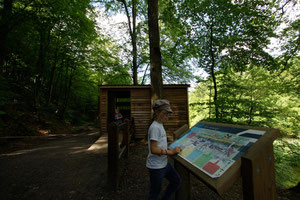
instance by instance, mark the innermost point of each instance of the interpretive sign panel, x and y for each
(213, 149)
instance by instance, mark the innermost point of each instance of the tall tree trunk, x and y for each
(59, 83)
(50, 84)
(144, 76)
(134, 47)
(212, 72)
(68, 85)
(155, 55)
(251, 110)
(4, 27)
(67, 95)
(209, 101)
(132, 32)
(40, 66)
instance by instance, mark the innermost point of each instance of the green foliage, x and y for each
(105, 61)
(214, 40)
(199, 107)
(287, 158)
(53, 60)
(254, 97)
(175, 63)
(237, 36)
(259, 98)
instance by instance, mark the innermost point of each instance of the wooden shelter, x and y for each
(135, 102)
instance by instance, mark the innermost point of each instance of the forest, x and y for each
(55, 53)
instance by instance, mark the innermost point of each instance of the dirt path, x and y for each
(64, 168)
(58, 169)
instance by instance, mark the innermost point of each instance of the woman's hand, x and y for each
(176, 150)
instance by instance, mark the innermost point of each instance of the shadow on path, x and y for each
(60, 169)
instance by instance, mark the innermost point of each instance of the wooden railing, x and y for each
(119, 137)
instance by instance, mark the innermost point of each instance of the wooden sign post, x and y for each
(256, 167)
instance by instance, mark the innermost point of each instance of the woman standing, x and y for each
(157, 160)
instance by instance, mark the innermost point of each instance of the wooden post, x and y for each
(132, 129)
(100, 111)
(184, 192)
(258, 170)
(113, 172)
(126, 137)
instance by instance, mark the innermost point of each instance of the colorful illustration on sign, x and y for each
(213, 149)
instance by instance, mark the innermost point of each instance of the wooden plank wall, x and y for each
(178, 98)
(103, 110)
(141, 110)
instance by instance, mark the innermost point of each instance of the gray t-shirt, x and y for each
(157, 132)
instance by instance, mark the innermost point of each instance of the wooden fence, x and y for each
(119, 137)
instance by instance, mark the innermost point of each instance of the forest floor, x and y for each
(61, 167)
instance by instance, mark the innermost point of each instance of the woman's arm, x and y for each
(159, 151)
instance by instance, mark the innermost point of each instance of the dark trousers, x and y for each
(156, 180)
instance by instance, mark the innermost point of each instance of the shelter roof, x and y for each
(141, 86)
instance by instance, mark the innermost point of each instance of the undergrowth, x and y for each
(287, 162)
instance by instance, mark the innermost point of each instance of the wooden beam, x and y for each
(179, 132)
(113, 171)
